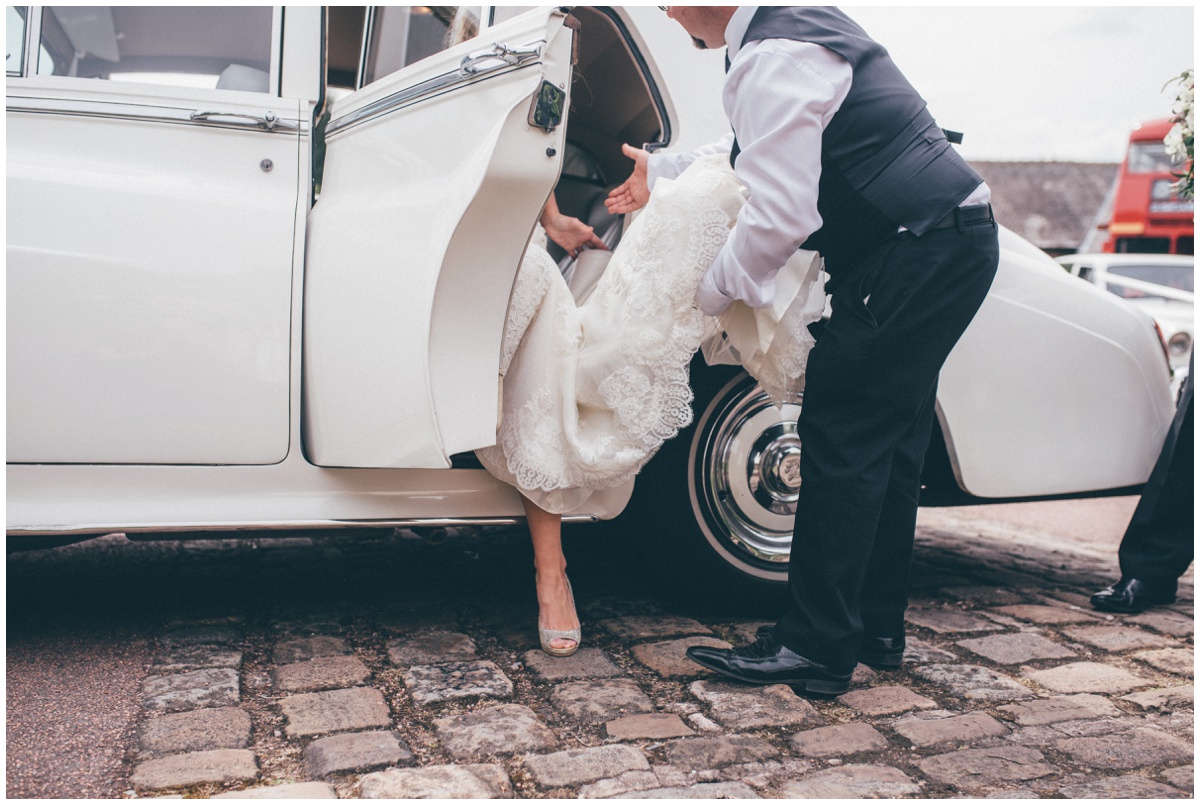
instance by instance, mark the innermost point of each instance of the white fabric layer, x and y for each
(590, 392)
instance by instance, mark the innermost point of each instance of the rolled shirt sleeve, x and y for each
(779, 95)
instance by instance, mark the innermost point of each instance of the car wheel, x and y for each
(723, 492)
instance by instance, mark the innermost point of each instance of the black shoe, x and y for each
(768, 662)
(1131, 595)
(882, 652)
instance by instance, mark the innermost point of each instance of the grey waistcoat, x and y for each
(884, 161)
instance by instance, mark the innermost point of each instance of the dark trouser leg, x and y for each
(865, 423)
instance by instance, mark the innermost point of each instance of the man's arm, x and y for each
(780, 95)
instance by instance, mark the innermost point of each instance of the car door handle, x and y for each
(269, 121)
(506, 56)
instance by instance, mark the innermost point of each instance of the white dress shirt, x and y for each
(779, 134)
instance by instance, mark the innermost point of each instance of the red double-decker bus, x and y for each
(1148, 217)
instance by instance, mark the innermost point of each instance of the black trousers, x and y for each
(1159, 543)
(865, 424)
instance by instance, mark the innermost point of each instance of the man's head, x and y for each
(705, 24)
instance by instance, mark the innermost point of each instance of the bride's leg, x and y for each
(556, 607)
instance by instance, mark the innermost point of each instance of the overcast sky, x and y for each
(1022, 83)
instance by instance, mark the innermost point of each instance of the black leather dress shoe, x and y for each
(1133, 595)
(768, 662)
(882, 652)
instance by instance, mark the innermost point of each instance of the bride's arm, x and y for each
(570, 233)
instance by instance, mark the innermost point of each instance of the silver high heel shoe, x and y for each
(547, 636)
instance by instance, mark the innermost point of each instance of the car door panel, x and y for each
(433, 179)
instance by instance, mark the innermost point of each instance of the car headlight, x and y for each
(1179, 344)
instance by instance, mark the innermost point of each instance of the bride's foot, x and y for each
(558, 625)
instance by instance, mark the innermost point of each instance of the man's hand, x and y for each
(571, 234)
(635, 192)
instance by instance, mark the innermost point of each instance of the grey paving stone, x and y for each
(725, 790)
(196, 731)
(1131, 750)
(1166, 699)
(195, 658)
(918, 652)
(863, 677)
(742, 707)
(209, 687)
(1128, 787)
(1172, 623)
(321, 673)
(576, 766)
(586, 663)
(432, 647)
(284, 791)
(478, 781)
(309, 648)
(1047, 615)
(621, 784)
(505, 729)
(851, 782)
(983, 595)
(201, 634)
(711, 753)
(885, 700)
(1059, 708)
(973, 770)
(594, 700)
(214, 766)
(838, 740)
(1086, 677)
(1118, 638)
(747, 632)
(334, 711)
(1181, 661)
(1182, 777)
(655, 726)
(669, 658)
(974, 682)
(950, 621)
(355, 751)
(643, 627)
(445, 682)
(1011, 649)
(965, 729)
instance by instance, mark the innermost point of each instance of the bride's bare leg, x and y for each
(556, 609)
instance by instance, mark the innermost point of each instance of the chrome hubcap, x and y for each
(751, 474)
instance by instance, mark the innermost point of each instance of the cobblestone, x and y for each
(308, 648)
(505, 729)
(1139, 747)
(210, 687)
(669, 658)
(200, 634)
(973, 770)
(355, 751)
(284, 791)
(1180, 698)
(838, 740)
(919, 652)
(709, 753)
(430, 684)
(1117, 638)
(479, 781)
(334, 711)
(576, 766)
(1181, 661)
(1127, 787)
(431, 647)
(214, 766)
(1086, 677)
(321, 673)
(725, 790)
(926, 732)
(583, 664)
(885, 700)
(595, 700)
(949, 621)
(974, 682)
(1171, 623)
(1013, 649)
(1047, 615)
(646, 627)
(195, 658)
(196, 731)
(1182, 777)
(741, 707)
(852, 782)
(1059, 708)
(655, 726)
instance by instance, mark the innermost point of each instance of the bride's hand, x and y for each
(635, 191)
(571, 234)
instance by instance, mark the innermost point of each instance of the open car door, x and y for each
(434, 178)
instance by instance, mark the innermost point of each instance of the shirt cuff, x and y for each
(709, 298)
(661, 166)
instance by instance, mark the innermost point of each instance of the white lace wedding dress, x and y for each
(590, 392)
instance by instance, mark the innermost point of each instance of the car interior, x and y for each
(612, 98)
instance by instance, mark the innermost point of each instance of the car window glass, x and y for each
(222, 47)
(502, 13)
(14, 39)
(1180, 277)
(402, 35)
(1086, 273)
(1149, 158)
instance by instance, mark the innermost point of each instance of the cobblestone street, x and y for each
(390, 667)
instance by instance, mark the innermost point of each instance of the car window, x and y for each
(1149, 158)
(1180, 277)
(1086, 273)
(221, 47)
(14, 39)
(402, 35)
(503, 13)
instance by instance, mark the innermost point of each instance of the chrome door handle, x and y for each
(268, 122)
(470, 64)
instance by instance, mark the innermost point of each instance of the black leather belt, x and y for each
(962, 217)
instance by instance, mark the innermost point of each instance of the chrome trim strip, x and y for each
(467, 72)
(142, 113)
(298, 525)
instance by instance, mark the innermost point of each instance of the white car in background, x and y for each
(259, 263)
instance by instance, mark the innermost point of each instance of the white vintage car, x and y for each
(259, 262)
